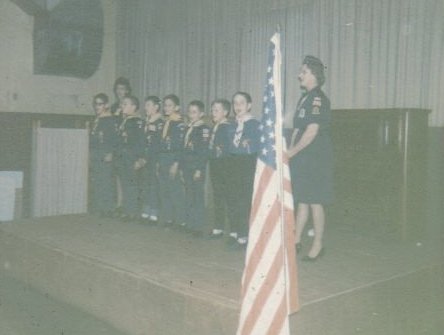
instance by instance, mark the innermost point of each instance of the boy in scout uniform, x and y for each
(153, 135)
(172, 193)
(193, 166)
(131, 157)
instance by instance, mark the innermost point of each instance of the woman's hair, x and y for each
(316, 67)
(124, 82)
(226, 105)
(101, 96)
(133, 100)
(245, 95)
(154, 99)
(174, 98)
(199, 104)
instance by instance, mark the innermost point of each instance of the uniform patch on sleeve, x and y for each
(317, 102)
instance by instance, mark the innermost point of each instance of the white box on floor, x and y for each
(10, 181)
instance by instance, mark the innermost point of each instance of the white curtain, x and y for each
(378, 53)
(60, 172)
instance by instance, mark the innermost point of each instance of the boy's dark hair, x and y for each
(199, 104)
(174, 98)
(101, 96)
(134, 100)
(226, 105)
(154, 99)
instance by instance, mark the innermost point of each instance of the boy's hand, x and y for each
(140, 163)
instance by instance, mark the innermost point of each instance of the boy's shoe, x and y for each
(216, 234)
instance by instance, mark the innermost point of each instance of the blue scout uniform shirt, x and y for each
(313, 107)
(103, 136)
(197, 138)
(220, 140)
(172, 137)
(132, 138)
(153, 137)
(246, 130)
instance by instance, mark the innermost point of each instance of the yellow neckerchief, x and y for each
(190, 129)
(155, 117)
(172, 117)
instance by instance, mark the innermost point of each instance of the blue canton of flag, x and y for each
(267, 151)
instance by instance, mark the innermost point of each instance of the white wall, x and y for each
(22, 91)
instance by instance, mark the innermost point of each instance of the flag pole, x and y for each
(288, 250)
(279, 146)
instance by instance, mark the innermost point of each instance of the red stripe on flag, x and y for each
(260, 247)
(289, 226)
(287, 186)
(262, 185)
(279, 318)
(263, 294)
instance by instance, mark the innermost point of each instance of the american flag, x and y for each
(269, 282)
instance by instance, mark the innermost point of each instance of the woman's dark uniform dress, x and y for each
(103, 141)
(220, 170)
(312, 167)
(195, 157)
(153, 136)
(131, 149)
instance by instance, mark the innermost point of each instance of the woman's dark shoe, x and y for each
(314, 259)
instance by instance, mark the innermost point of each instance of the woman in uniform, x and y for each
(310, 153)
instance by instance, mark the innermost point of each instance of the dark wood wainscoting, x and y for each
(380, 168)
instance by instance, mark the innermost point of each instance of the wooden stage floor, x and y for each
(153, 280)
